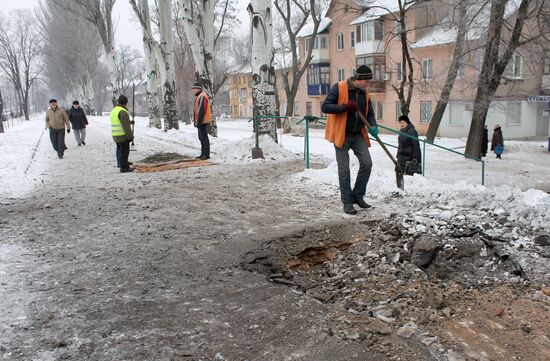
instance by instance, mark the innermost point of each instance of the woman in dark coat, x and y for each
(409, 148)
(485, 142)
(497, 143)
(78, 120)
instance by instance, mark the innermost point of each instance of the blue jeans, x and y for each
(358, 144)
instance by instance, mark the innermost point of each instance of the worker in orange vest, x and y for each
(346, 131)
(202, 116)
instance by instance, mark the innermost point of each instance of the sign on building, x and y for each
(539, 99)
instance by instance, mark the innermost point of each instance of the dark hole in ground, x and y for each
(163, 157)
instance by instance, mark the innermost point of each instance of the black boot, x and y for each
(361, 203)
(348, 208)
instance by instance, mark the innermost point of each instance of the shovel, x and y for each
(398, 171)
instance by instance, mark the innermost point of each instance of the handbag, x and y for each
(412, 167)
(499, 149)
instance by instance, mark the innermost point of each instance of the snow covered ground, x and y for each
(515, 185)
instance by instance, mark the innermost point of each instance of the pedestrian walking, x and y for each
(485, 142)
(497, 143)
(57, 121)
(202, 116)
(409, 157)
(347, 131)
(78, 120)
(121, 131)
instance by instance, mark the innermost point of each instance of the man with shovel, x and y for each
(346, 131)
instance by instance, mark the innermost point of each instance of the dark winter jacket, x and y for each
(497, 138)
(485, 142)
(353, 122)
(78, 118)
(409, 148)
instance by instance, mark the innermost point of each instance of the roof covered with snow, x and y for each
(307, 30)
(445, 32)
(377, 8)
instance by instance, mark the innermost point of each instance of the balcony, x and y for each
(369, 47)
(320, 56)
(317, 89)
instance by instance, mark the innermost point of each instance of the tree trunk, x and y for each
(199, 30)
(1, 113)
(112, 75)
(451, 75)
(263, 73)
(170, 109)
(493, 68)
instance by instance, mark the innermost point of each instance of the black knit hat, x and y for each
(76, 102)
(122, 100)
(405, 119)
(52, 101)
(196, 86)
(363, 72)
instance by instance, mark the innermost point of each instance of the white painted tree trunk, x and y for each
(263, 73)
(167, 47)
(112, 74)
(152, 67)
(199, 30)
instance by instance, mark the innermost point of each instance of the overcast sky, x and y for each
(127, 29)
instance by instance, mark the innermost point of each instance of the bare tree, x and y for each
(294, 24)
(99, 13)
(1, 113)
(502, 40)
(156, 71)
(72, 54)
(263, 72)
(167, 49)
(203, 26)
(20, 47)
(128, 67)
(457, 60)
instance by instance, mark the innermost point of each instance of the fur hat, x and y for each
(196, 86)
(405, 119)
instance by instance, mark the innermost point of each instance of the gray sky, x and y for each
(127, 29)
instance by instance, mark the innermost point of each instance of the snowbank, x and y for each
(241, 151)
(19, 149)
(530, 208)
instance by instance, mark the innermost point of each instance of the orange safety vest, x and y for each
(207, 112)
(335, 131)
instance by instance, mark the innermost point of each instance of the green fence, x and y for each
(313, 119)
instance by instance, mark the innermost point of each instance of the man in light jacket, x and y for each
(57, 121)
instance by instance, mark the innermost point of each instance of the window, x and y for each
(513, 113)
(235, 80)
(513, 69)
(352, 71)
(397, 110)
(242, 95)
(425, 111)
(461, 71)
(379, 111)
(318, 74)
(296, 109)
(397, 28)
(352, 39)
(372, 30)
(427, 71)
(341, 74)
(324, 42)
(308, 108)
(399, 72)
(339, 41)
(546, 69)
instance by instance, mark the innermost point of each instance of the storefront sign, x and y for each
(539, 99)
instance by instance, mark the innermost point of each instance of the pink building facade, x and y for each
(353, 34)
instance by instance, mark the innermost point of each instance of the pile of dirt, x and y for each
(163, 157)
(430, 284)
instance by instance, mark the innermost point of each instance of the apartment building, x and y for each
(359, 32)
